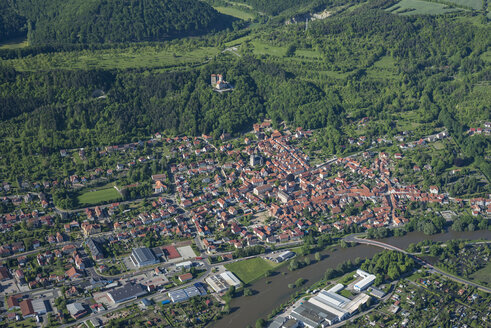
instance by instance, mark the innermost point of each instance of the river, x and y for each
(272, 291)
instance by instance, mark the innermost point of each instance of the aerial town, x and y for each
(254, 197)
(245, 163)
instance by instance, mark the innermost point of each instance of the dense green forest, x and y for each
(112, 21)
(12, 24)
(274, 7)
(364, 62)
(285, 8)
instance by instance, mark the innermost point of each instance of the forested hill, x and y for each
(101, 21)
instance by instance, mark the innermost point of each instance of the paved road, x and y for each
(355, 238)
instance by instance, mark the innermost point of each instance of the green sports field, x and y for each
(98, 196)
(250, 270)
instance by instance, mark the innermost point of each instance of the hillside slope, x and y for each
(100, 21)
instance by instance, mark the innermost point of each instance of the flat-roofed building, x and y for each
(285, 256)
(328, 306)
(142, 257)
(126, 293)
(355, 303)
(332, 298)
(184, 265)
(336, 288)
(378, 293)
(184, 294)
(311, 316)
(366, 282)
(222, 282)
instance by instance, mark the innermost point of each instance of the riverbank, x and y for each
(272, 291)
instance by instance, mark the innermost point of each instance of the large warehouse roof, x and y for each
(143, 255)
(127, 292)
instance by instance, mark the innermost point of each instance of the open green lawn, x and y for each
(474, 4)
(131, 57)
(239, 41)
(438, 145)
(261, 48)
(418, 7)
(31, 322)
(250, 270)
(99, 196)
(235, 12)
(407, 120)
(483, 276)
(14, 44)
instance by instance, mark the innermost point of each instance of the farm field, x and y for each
(235, 12)
(418, 7)
(98, 196)
(250, 270)
(132, 57)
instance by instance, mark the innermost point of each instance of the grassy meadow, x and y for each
(235, 12)
(126, 58)
(418, 7)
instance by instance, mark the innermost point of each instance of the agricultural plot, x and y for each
(418, 7)
(99, 196)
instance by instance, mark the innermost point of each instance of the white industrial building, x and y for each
(367, 280)
(184, 294)
(285, 256)
(184, 265)
(223, 281)
(327, 308)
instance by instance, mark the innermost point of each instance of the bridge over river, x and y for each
(354, 238)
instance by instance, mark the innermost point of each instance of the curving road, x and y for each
(354, 239)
